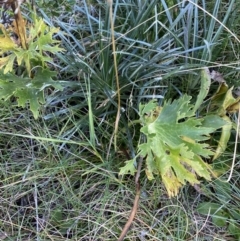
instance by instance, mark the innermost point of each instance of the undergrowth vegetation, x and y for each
(176, 62)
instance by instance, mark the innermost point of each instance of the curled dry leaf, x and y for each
(216, 76)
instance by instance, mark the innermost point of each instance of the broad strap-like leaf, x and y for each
(205, 86)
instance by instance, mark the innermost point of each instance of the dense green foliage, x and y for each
(60, 171)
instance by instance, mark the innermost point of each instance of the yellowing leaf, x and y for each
(20, 29)
(39, 41)
(7, 43)
(223, 100)
(234, 107)
(175, 146)
(3, 61)
(171, 183)
(225, 136)
(174, 143)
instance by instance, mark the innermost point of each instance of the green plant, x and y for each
(25, 71)
(156, 45)
(223, 210)
(59, 173)
(176, 140)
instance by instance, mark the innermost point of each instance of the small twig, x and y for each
(135, 204)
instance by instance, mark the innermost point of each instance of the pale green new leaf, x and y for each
(6, 42)
(41, 38)
(9, 64)
(128, 168)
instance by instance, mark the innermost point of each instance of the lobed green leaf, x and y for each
(28, 90)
